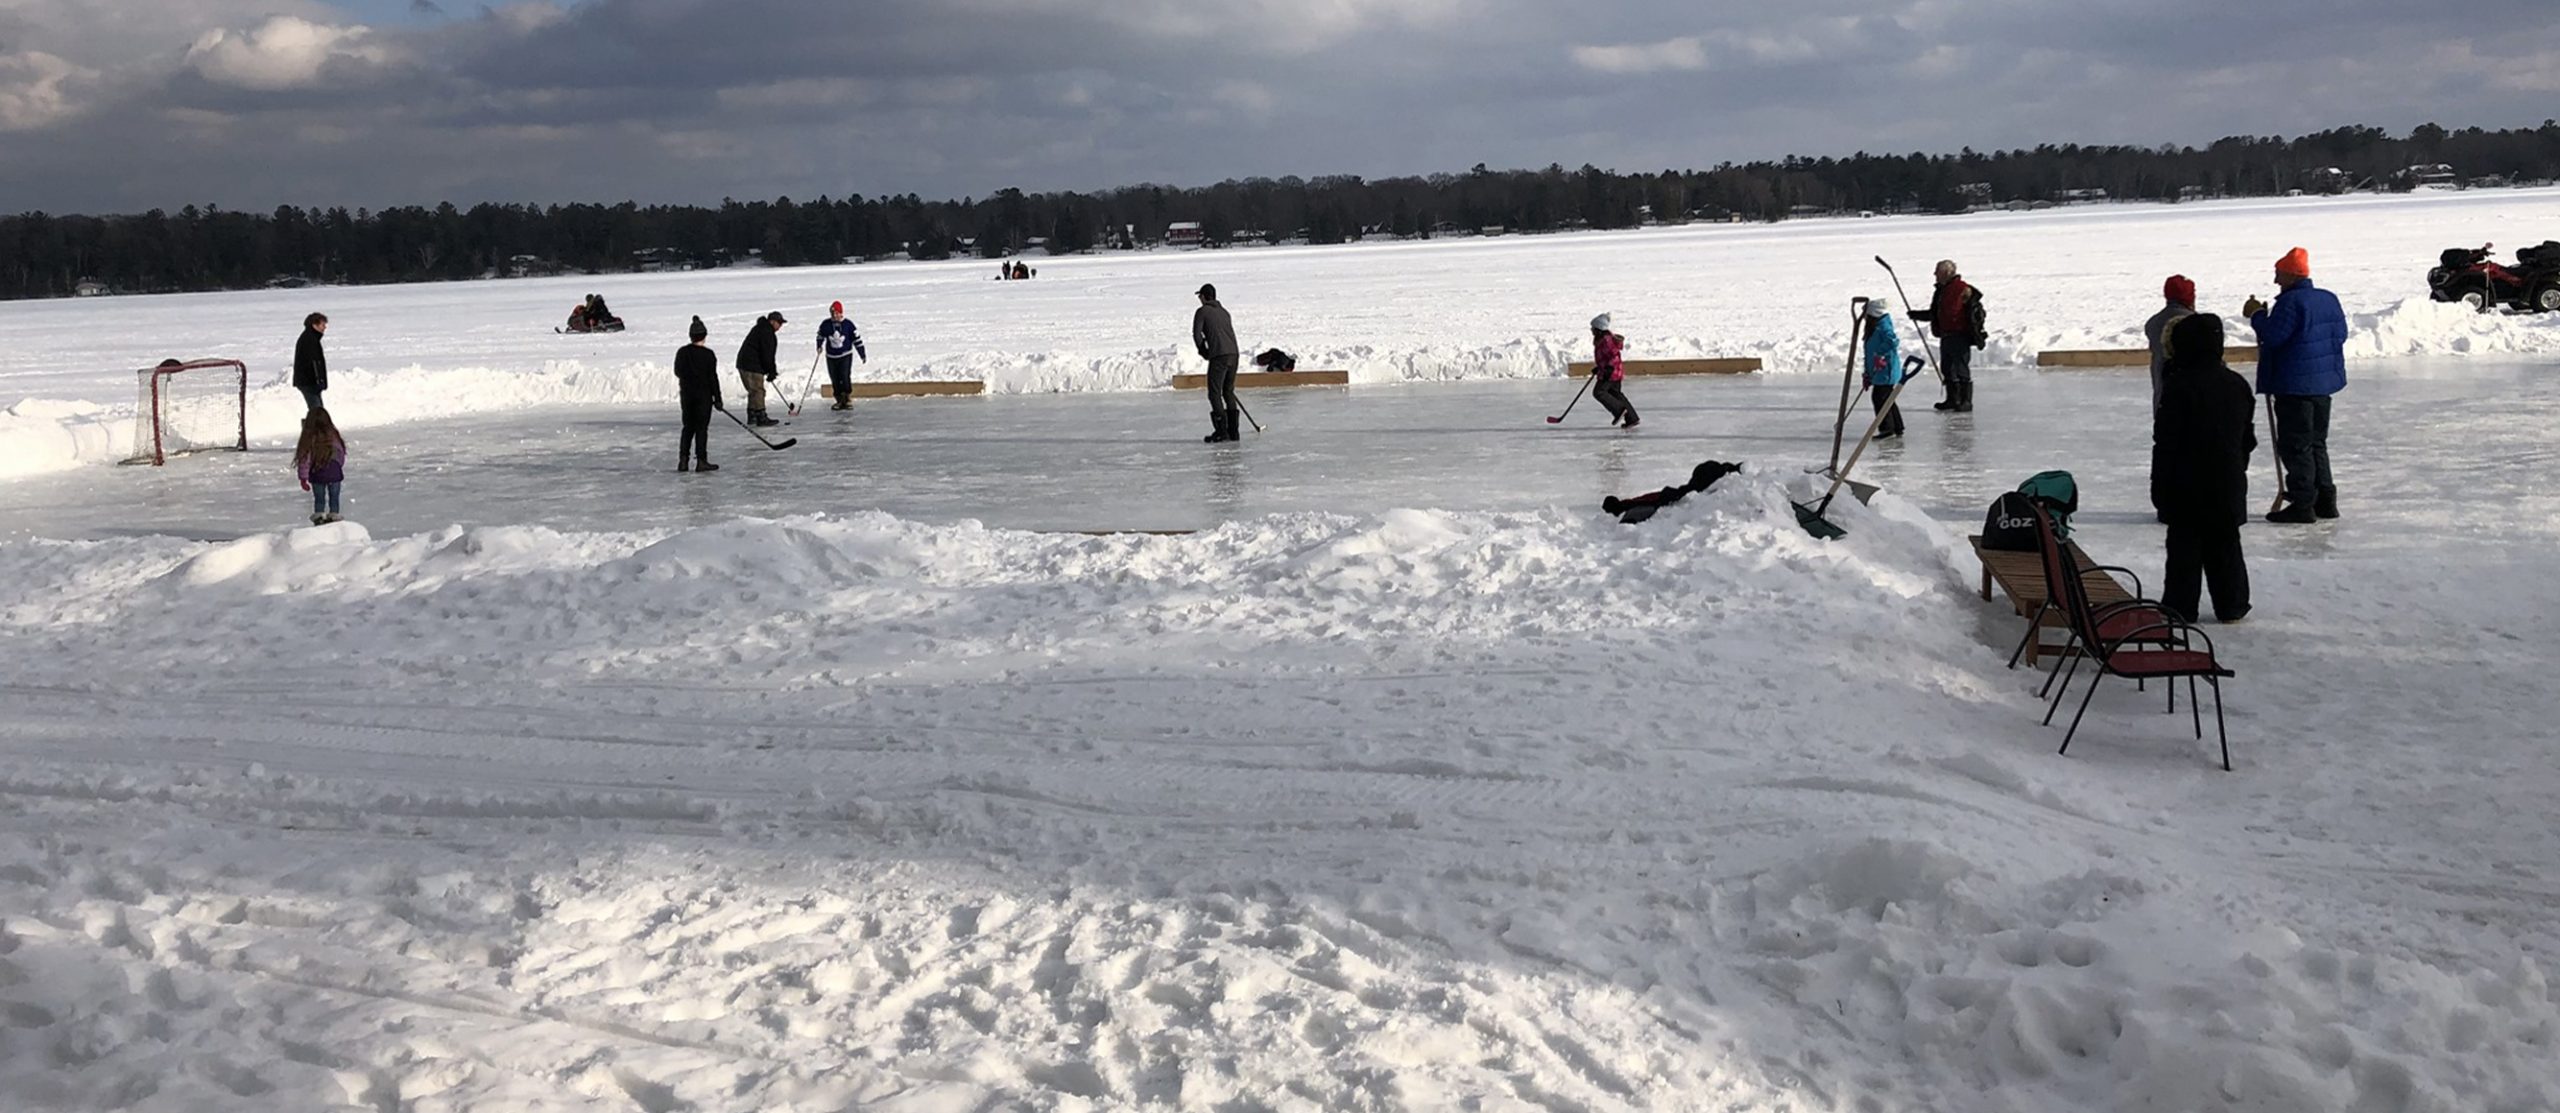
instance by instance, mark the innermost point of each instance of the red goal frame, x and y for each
(154, 391)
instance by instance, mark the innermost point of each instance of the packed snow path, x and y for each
(1497, 807)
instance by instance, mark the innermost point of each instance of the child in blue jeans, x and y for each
(320, 461)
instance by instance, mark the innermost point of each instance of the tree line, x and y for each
(209, 248)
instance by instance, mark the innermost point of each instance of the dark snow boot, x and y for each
(1964, 397)
(705, 465)
(683, 464)
(1949, 402)
(2325, 504)
(2293, 514)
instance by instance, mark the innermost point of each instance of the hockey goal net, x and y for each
(195, 406)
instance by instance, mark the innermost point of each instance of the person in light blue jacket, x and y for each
(2302, 361)
(1884, 366)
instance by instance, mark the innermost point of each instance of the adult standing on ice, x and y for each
(698, 392)
(2204, 433)
(2302, 361)
(1950, 319)
(839, 341)
(755, 364)
(1214, 334)
(2181, 296)
(310, 364)
(1608, 370)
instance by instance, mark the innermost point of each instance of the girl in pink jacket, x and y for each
(1608, 369)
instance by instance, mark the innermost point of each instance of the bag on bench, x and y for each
(2011, 527)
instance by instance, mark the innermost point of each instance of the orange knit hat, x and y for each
(2296, 262)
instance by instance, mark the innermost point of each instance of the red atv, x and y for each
(2469, 276)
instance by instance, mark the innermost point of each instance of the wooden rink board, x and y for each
(910, 388)
(1250, 379)
(1734, 365)
(2127, 357)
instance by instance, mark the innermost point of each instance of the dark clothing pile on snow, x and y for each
(1276, 360)
(2205, 431)
(1642, 507)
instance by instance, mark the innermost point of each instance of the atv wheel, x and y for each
(2478, 300)
(2545, 297)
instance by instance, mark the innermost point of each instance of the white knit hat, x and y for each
(1875, 307)
(1600, 323)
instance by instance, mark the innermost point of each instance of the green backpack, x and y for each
(2058, 493)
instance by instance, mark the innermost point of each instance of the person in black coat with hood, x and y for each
(2206, 429)
(755, 364)
(310, 364)
(698, 391)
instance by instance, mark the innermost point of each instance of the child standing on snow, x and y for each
(1608, 369)
(1884, 367)
(320, 462)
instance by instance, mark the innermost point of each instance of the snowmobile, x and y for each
(2470, 276)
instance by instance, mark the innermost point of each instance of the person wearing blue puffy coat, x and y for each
(1884, 367)
(2302, 361)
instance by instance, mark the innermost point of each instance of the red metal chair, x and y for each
(2114, 620)
(2143, 642)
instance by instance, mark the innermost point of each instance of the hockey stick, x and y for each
(1248, 416)
(1577, 398)
(751, 431)
(1907, 311)
(2278, 504)
(805, 386)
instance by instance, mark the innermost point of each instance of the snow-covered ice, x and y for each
(1408, 782)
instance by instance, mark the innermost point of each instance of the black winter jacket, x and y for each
(2206, 428)
(755, 355)
(698, 376)
(310, 365)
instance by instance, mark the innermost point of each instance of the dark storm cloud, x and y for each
(255, 103)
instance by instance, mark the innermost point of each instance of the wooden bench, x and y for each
(1736, 365)
(2021, 574)
(1249, 379)
(909, 388)
(2127, 357)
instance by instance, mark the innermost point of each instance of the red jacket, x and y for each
(1606, 350)
(1946, 314)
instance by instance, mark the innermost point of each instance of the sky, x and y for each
(125, 105)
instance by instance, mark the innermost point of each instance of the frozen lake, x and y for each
(2422, 447)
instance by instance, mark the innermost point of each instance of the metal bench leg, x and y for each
(2073, 660)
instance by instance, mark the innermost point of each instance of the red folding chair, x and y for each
(2140, 641)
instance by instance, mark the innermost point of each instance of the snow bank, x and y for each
(1418, 809)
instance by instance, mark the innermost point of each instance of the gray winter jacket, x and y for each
(1213, 332)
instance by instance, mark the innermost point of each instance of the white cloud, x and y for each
(1683, 53)
(285, 52)
(34, 90)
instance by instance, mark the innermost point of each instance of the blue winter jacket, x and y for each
(840, 339)
(1884, 354)
(2302, 341)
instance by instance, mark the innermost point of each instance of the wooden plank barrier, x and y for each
(1735, 365)
(909, 388)
(1247, 379)
(2127, 357)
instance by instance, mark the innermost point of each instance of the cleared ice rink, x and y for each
(2422, 449)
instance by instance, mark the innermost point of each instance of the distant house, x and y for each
(1184, 233)
(89, 288)
(2067, 196)
(657, 260)
(2435, 175)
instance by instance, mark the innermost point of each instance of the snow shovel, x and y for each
(1848, 389)
(1810, 517)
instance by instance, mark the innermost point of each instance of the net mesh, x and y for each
(189, 407)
